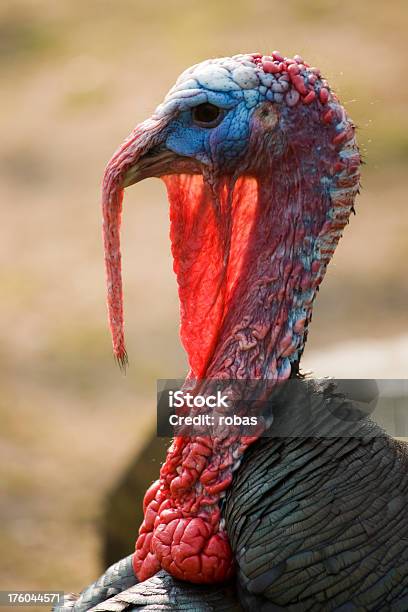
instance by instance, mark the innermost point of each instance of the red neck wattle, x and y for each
(209, 234)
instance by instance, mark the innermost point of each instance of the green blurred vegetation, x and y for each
(76, 77)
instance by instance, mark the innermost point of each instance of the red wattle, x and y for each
(181, 529)
(209, 240)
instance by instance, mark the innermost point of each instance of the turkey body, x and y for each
(262, 170)
(321, 523)
(316, 522)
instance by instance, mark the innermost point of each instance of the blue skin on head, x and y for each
(217, 146)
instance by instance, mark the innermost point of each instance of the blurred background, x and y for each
(76, 77)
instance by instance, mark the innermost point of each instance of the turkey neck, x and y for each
(250, 251)
(257, 293)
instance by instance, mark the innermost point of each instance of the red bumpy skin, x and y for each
(181, 530)
(250, 251)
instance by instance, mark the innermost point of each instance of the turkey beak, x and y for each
(157, 162)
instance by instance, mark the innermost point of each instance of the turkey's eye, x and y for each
(207, 115)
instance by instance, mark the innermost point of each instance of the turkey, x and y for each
(261, 167)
